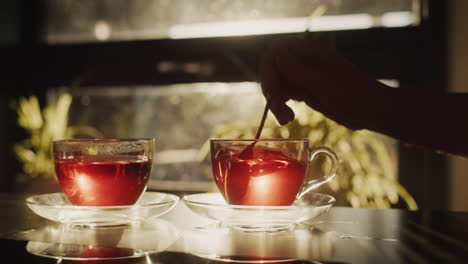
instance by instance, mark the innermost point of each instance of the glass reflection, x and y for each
(70, 242)
(239, 246)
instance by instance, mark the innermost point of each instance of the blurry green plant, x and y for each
(366, 176)
(43, 127)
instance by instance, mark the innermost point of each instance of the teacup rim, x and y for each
(260, 139)
(103, 140)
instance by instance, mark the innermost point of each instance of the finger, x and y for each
(268, 74)
(296, 72)
(281, 111)
(273, 90)
(276, 100)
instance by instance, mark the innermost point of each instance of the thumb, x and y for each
(283, 113)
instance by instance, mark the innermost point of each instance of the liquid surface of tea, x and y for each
(269, 177)
(95, 252)
(263, 260)
(103, 180)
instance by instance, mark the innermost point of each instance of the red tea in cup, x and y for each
(103, 172)
(269, 177)
(273, 174)
(103, 180)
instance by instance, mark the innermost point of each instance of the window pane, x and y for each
(181, 117)
(71, 21)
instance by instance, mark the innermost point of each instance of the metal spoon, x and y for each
(247, 153)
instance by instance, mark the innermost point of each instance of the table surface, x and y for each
(343, 235)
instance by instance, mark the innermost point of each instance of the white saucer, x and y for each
(70, 242)
(213, 206)
(56, 207)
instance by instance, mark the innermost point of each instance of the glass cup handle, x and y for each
(310, 185)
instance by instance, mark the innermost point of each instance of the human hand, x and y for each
(309, 71)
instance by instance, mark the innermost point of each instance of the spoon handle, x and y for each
(262, 122)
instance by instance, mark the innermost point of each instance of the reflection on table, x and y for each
(219, 243)
(343, 235)
(63, 241)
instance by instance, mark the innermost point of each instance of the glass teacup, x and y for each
(103, 172)
(273, 174)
